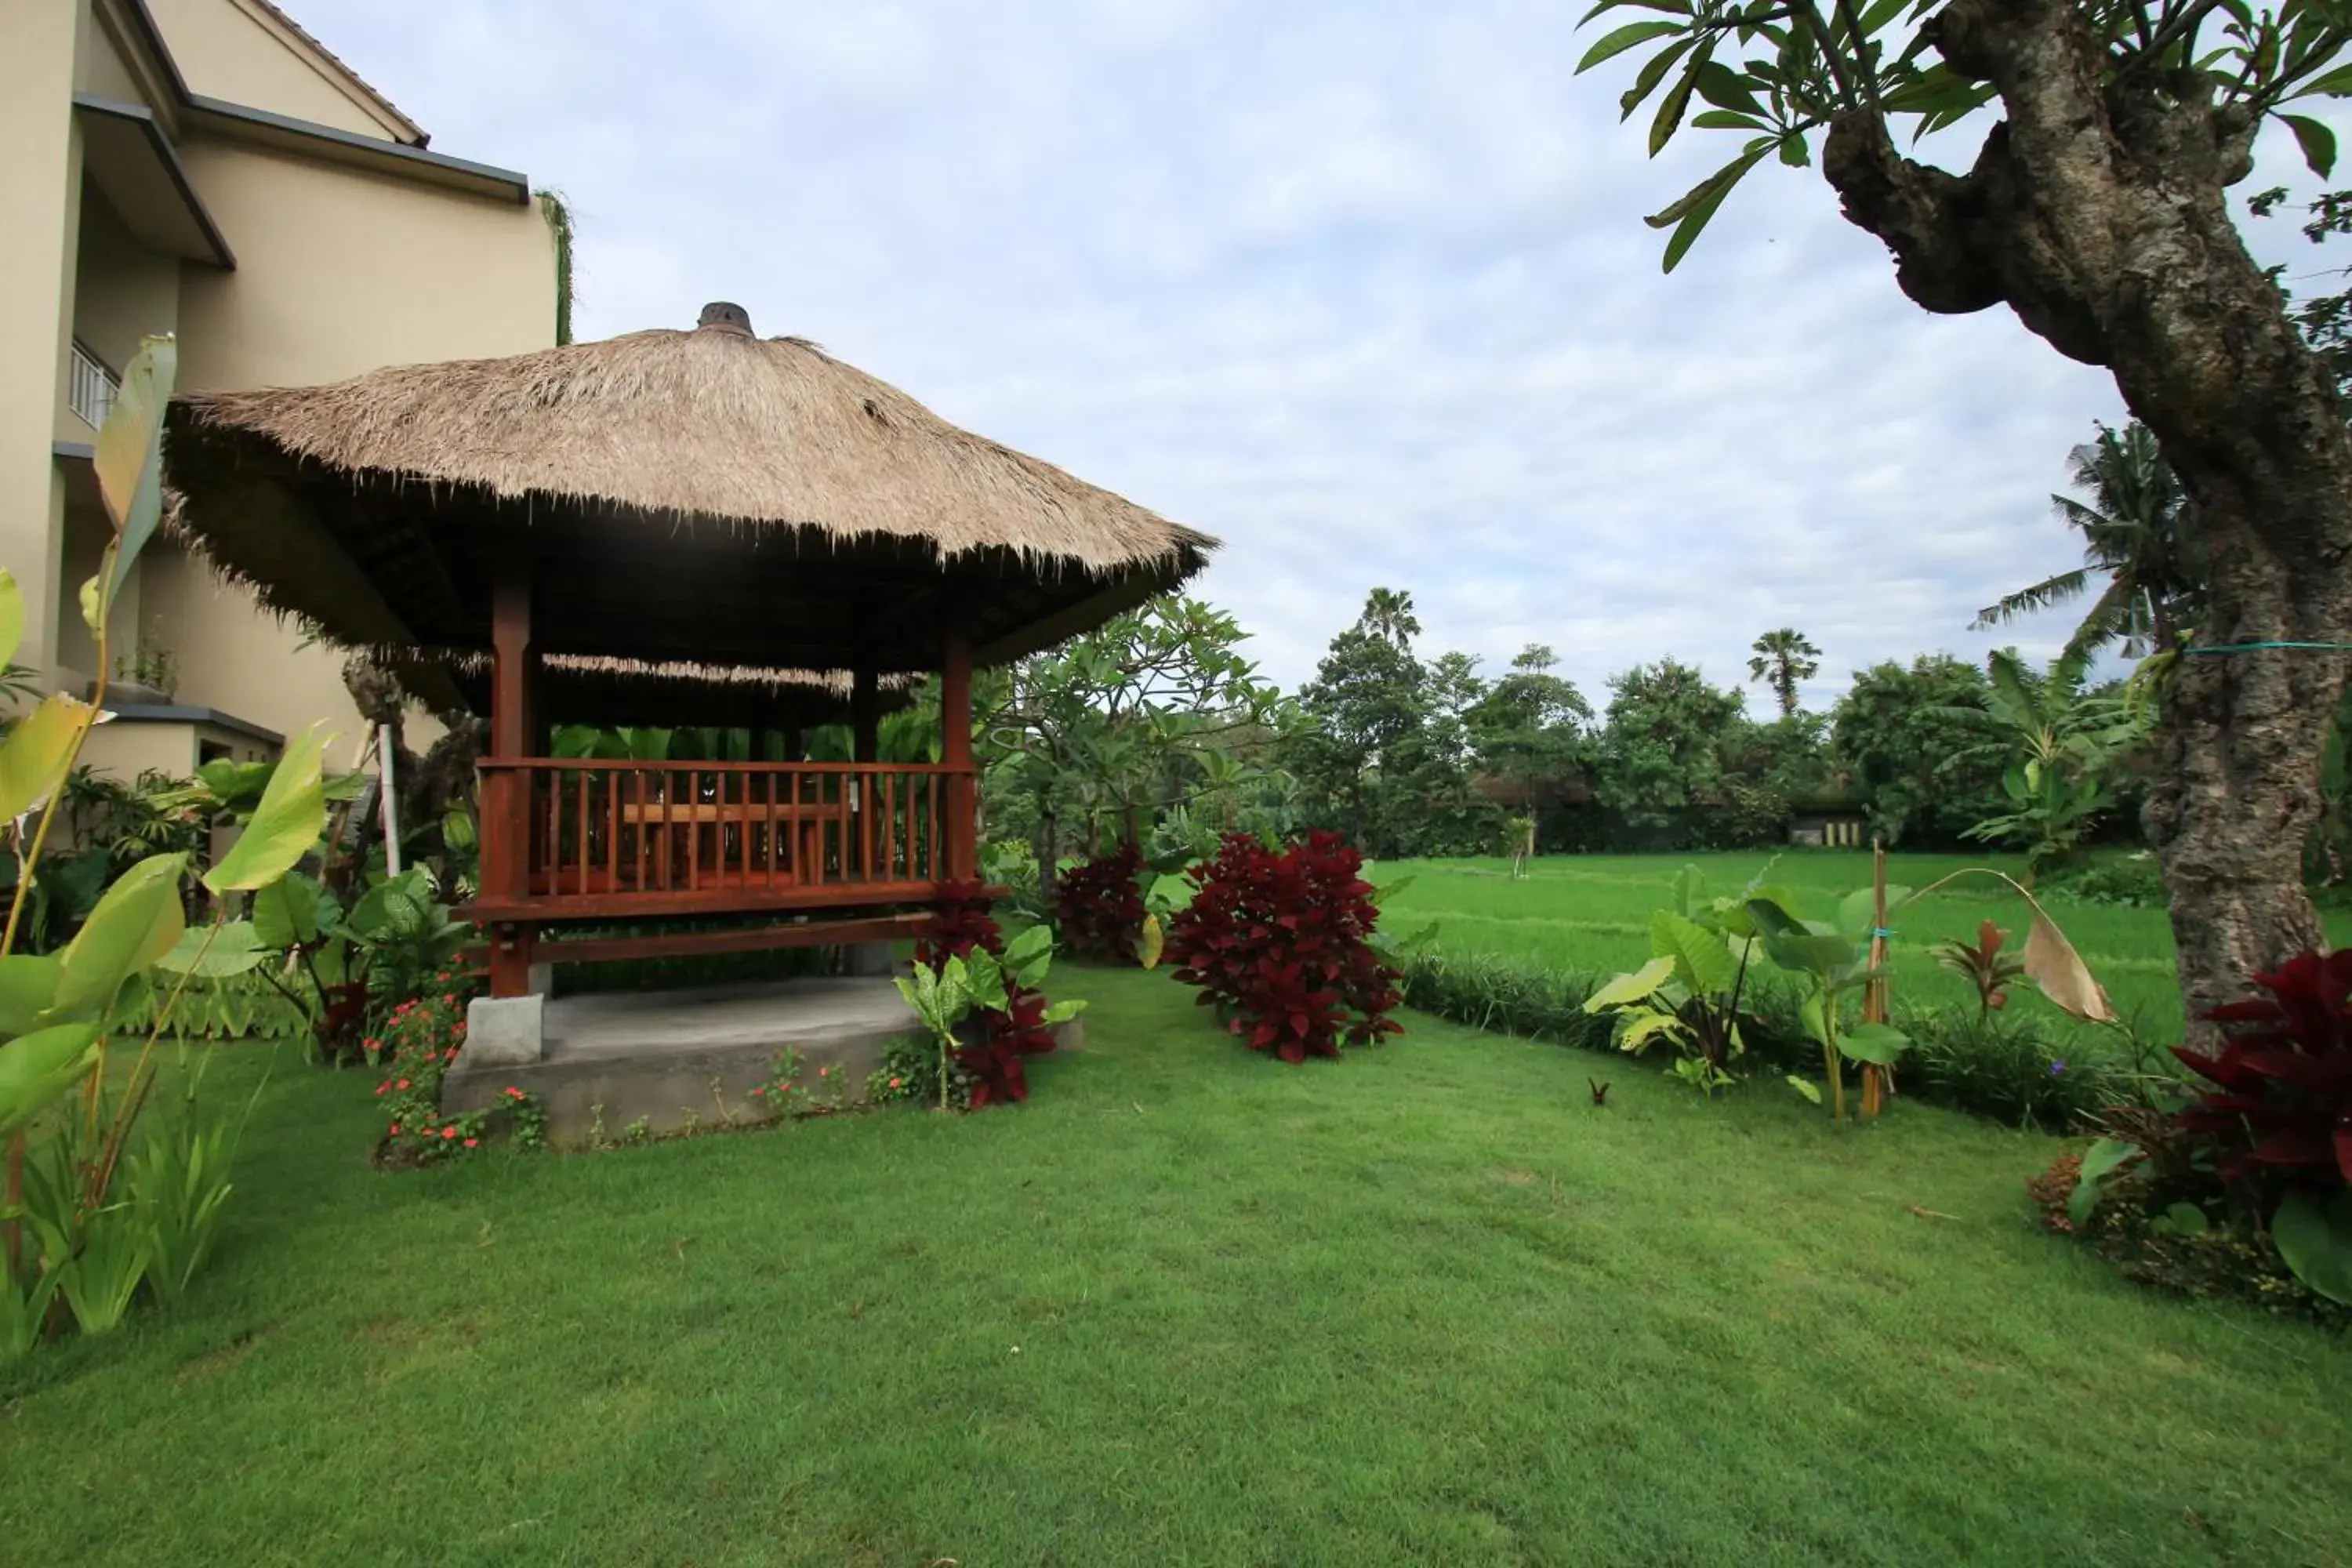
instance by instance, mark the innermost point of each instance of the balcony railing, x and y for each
(615, 838)
(90, 387)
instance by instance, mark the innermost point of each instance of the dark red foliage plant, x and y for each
(1277, 940)
(1098, 907)
(962, 922)
(2280, 1114)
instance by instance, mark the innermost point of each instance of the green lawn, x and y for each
(1592, 914)
(1187, 1306)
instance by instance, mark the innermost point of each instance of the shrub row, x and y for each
(2012, 1066)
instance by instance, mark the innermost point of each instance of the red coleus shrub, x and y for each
(1098, 907)
(1277, 940)
(961, 924)
(1007, 1038)
(2281, 1112)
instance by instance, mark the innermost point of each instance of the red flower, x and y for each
(513, 1093)
(759, 1090)
(825, 1072)
(448, 1132)
(382, 1086)
(471, 1142)
(893, 1083)
(395, 1130)
(402, 1084)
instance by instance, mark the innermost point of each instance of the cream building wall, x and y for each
(346, 259)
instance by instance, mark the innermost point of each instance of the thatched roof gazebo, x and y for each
(703, 513)
(587, 688)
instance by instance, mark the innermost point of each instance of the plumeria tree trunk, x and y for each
(2096, 212)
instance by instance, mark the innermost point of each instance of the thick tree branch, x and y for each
(1923, 213)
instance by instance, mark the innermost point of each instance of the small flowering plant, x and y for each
(785, 1095)
(418, 1042)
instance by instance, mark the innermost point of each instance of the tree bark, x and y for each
(2095, 211)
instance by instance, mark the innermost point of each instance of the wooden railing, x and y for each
(617, 838)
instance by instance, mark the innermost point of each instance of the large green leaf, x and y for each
(1702, 961)
(2101, 1161)
(2318, 142)
(1648, 1026)
(2316, 1240)
(285, 825)
(38, 754)
(137, 922)
(129, 455)
(1858, 911)
(12, 616)
(1882, 1044)
(28, 989)
(287, 912)
(41, 1065)
(216, 952)
(1631, 987)
(1796, 946)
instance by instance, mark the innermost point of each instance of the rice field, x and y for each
(1590, 913)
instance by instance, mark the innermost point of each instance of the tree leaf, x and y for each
(137, 922)
(1806, 1087)
(2318, 142)
(130, 454)
(1691, 215)
(1613, 43)
(1633, 987)
(285, 825)
(2052, 963)
(39, 753)
(35, 1068)
(2315, 1238)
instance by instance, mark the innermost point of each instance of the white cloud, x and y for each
(1361, 288)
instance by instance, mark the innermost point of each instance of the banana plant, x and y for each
(1835, 958)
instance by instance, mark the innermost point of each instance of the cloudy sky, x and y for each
(1361, 288)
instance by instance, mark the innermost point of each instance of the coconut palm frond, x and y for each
(2043, 595)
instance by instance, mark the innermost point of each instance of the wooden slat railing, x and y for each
(699, 835)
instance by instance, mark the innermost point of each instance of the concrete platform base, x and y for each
(685, 1058)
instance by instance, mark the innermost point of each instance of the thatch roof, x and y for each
(574, 689)
(704, 495)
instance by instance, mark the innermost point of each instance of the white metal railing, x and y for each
(90, 387)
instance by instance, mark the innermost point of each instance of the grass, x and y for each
(1187, 1306)
(1590, 913)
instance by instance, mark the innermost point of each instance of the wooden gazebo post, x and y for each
(955, 752)
(506, 792)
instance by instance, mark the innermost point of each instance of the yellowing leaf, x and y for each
(12, 616)
(1151, 942)
(38, 752)
(1631, 987)
(137, 922)
(285, 825)
(2054, 965)
(130, 456)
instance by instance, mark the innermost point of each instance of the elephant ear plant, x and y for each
(66, 1234)
(1688, 994)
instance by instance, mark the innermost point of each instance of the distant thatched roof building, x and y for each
(702, 495)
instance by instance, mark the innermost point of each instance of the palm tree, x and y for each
(1388, 613)
(1785, 659)
(2137, 530)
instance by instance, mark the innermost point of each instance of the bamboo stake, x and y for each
(1876, 1082)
